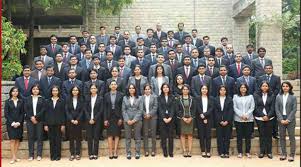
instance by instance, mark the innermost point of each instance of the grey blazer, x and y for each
(142, 82)
(167, 71)
(132, 112)
(257, 69)
(243, 105)
(48, 61)
(290, 106)
(153, 106)
(155, 86)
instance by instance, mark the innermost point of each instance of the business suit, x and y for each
(150, 125)
(166, 109)
(102, 56)
(197, 42)
(12, 114)
(132, 112)
(149, 41)
(187, 50)
(20, 84)
(113, 115)
(101, 86)
(66, 57)
(223, 132)
(94, 130)
(103, 39)
(80, 73)
(74, 131)
(120, 84)
(143, 81)
(201, 50)
(105, 64)
(103, 73)
(172, 42)
(74, 49)
(85, 64)
(187, 79)
(265, 127)
(233, 71)
(84, 41)
(160, 35)
(52, 52)
(250, 81)
(173, 66)
(204, 130)
(230, 58)
(291, 109)
(230, 84)
(257, 68)
(128, 60)
(67, 85)
(145, 66)
(152, 58)
(187, 111)
(197, 82)
(59, 72)
(247, 59)
(144, 48)
(35, 131)
(54, 118)
(48, 61)
(164, 51)
(122, 43)
(117, 53)
(124, 73)
(155, 87)
(180, 35)
(221, 61)
(80, 56)
(195, 62)
(213, 74)
(35, 74)
(180, 57)
(94, 47)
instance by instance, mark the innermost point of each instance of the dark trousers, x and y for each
(75, 147)
(265, 136)
(223, 134)
(35, 133)
(275, 126)
(166, 133)
(204, 132)
(55, 141)
(92, 132)
(177, 125)
(244, 131)
(101, 119)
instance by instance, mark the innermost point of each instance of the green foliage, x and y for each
(289, 65)
(13, 41)
(112, 6)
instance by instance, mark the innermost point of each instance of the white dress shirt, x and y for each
(222, 101)
(205, 104)
(284, 96)
(147, 99)
(93, 100)
(34, 104)
(74, 101)
(132, 100)
(54, 102)
(160, 82)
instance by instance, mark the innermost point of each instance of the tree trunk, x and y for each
(30, 54)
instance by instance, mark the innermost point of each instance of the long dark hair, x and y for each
(220, 87)
(247, 87)
(128, 92)
(259, 91)
(35, 85)
(176, 78)
(169, 92)
(156, 73)
(58, 88)
(11, 91)
(79, 92)
(289, 85)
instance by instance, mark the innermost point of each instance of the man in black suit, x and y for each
(86, 62)
(199, 80)
(224, 42)
(159, 34)
(59, 67)
(153, 54)
(74, 48)
(259, 63)
(126, 41)
(251, 55)
(150, 38)
(93, 45)
(230, 54)
(140, 45)
(219, 58)
(65, 53)
(25, 83)
(195, 60)
(174, 64)
(187, 71)
(181, 33)
(109, 63)
(197, 42)
(70, 82)
(53, 48)
(235, 69)
(211, 70)
(206, 45)
(101, 52)
(115, 49)
(48, 81)
(172, 42)
(103, 73)
(179, 53)
(206, 56)
(143, 62)
(81, 55)
(80, 72)
(164, 48)
(247, 79)
(275, 86)
(223, 79)
(103, 37)
(117, 34)
(85, 38)
(94, 80)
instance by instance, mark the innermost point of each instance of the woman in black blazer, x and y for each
(177, 87)
(14, 115)
(223, 112)
(113, 118)
(34, 108)
(264, 113)
(74, 114)
(204, 106)
(166, 107)
(54, 119)
(93, 111)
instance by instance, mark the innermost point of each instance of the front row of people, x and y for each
(144, 113)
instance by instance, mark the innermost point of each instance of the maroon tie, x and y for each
(238, 69)
(26, 83)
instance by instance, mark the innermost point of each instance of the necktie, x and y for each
(126, 42)
(238, 69)
(26, 83)
(53, 48)
(187, 72)
(73, 48)
(140, 62)
(65, 58)
(268, 78)
(247, 80)
(181, 35)
(262, 62)
(223, 80)
(85, 40)
(195, 62)
(219, 62)
(210, 71)
(202, 80)
(121, 72)
(88, 63)
(187, 48)
(109, 65)
(170, 43)
(72, 82)
(39, 74)
(49, 80)
(250, 56)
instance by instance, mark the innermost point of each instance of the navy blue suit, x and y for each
(66, 87)
(251, 83)
(20, 84)
(144, 67)
(230, 85)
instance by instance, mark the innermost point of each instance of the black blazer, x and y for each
(54, 115)
(166, 110)
(108, 106)
(28, 108)
(180, 107)
(227, 113)
(77, 113)
(120, 84)
(66, 87)
(275, 83)
(192, 72)
(259, 105)
(12, 113)
(199, 107)
(98, 108)
(99, 84)
(60, 74)
(45, 87)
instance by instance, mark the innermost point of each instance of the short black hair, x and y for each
(206, 36)
(224, 38)
(194, 30)
(149, 29)
(26, 67)
(53, 35)
(43, 46)
(261, 48)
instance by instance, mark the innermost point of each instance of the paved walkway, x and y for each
(158, 161)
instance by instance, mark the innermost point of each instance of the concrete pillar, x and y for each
(240, 34)
(92, 22)
(269, 34)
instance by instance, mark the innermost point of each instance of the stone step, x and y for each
(23, 150)
(213, 133)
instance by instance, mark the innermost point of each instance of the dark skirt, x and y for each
(74, 131)
(113, 129)
(15, 133)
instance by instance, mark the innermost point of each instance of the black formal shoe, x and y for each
(153, 154)
(290, 159)
(71, 158)
(226, 156)
(129, 156)
(57, 159)
(189, 155)
(95, 157)
(115, 156)
(170, 155)
(165, 155)
(77, 157)
(208, 155)
(146, 154)
(111, 157)
(91, 157)
(260, 155)
(276, 137)
(137, 156)
(270, 156)
(204, 155)
(282, 158)
(222, 156)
